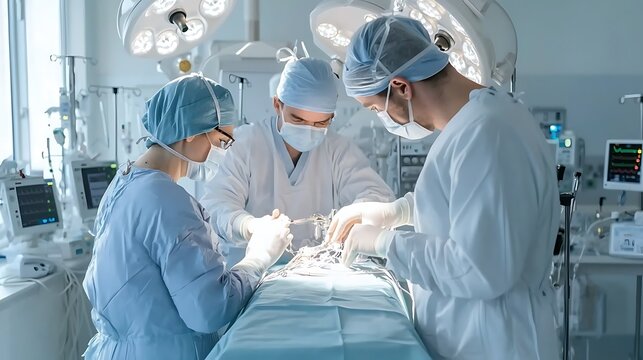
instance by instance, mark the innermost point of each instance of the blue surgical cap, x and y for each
(185, 107)
(272, 85)
(386, 47)
(308, 84)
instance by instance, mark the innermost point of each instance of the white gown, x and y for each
(486, 215)
(258, 176)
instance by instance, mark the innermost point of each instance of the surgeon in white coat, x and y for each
(291, 162)
(485, 207)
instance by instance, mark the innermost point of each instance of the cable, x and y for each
(75, 319)
(589, 232)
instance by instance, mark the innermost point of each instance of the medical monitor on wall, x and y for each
(91, 179)
(623, 165)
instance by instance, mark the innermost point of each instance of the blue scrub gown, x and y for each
(157, 287)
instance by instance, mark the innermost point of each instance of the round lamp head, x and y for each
(478, 35)
(158, 29)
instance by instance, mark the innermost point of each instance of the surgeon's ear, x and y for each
(276, 104)
(190, 138)
(402, 87)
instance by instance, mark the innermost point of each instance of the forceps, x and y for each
(316, 218)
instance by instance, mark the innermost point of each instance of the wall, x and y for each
(577, 37)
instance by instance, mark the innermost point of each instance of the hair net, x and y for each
(187, 106)
(308, 84)
(274, 82)
(387, 47)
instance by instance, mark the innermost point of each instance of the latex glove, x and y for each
(387, 215)
(366, 240)
(268, 243)
(253, 224)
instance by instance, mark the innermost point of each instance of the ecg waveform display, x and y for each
(624, 163)
(37, 205)
(95, 181)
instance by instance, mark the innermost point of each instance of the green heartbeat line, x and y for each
(626, 151)
(621, 165)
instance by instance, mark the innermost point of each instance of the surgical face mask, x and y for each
(410, 130)
(302, 137)
(206, 170)
(198, 171)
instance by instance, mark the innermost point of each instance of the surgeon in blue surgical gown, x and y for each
(158, 288)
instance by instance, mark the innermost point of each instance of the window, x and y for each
(44, 77)
(6, 133)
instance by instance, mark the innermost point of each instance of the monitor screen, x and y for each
(37, 204)
(624, 163)
(95, 181)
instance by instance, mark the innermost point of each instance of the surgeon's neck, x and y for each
(155, 158)
(443, 100)
(294, 153)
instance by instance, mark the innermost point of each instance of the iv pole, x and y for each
(71, 83)
(243, 82)
(96, 89)
(70, 87)
(639, 279)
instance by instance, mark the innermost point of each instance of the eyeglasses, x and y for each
(225, 144)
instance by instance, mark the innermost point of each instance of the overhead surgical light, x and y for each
(478, 35)
(159, 29)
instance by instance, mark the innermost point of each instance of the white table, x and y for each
(606, 264)
(31, 317)
(609, 265)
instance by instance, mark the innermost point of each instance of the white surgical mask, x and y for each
(302, 137)
(410, 130)
(198, 171)
(205, 171)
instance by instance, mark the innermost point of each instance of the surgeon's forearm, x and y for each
(374, 193)
(410, 199)
(240, 227)
(250, 270)
(401, 211)
(441, 265)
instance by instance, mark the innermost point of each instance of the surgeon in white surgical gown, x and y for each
(485, 207)
(291, 162)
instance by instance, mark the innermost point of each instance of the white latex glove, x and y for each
(268, 243)
(387, 215)
(366, 240)
(253, 224)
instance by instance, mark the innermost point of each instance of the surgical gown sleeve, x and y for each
(356, 181)
(491, 200)
(227, 194)
(206, 295)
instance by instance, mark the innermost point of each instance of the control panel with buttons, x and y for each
(412, 157)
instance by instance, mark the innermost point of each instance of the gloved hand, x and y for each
(387, 215)
(253, 224)
(268, 243)
(366, 240)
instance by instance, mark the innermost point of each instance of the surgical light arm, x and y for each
(635, 97)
